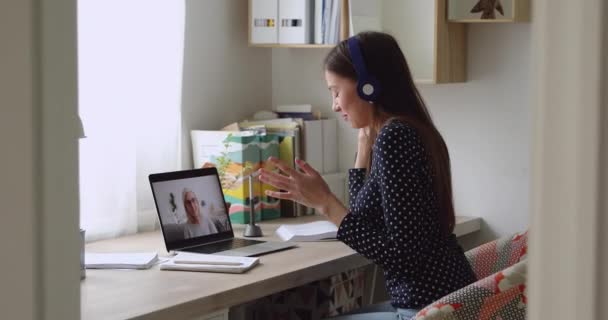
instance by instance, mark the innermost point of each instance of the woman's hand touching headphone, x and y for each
(364, 148)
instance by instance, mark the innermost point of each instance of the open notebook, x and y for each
(186, 261)
(312, 231)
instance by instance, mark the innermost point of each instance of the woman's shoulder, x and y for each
(398, 130)
(399, 141)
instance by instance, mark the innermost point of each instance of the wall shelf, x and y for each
(343, 31)
(487, 11)
(435, 48)
(299, 46)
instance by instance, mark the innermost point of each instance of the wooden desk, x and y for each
(155, 294)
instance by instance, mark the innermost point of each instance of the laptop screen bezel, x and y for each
(186, 174)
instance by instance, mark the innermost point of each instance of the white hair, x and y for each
(186, 191)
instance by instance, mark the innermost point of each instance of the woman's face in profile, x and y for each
(347, 102)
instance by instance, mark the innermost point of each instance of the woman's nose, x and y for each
(336, 107)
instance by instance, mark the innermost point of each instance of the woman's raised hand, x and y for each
(306, 187)
(364, 147)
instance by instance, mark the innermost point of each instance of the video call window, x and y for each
(191, 208)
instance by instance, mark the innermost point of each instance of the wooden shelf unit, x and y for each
(343, 31)
(449, 47)
(519, 12)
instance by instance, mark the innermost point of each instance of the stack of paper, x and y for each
(185, 261)
(131, 260)
(313, 231)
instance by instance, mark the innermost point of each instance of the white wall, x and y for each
(224, 80)
(485, 121)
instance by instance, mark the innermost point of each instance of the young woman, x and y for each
(401, 213)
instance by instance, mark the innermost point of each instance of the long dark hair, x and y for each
(399, 98)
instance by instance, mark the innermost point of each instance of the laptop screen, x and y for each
(191, 207)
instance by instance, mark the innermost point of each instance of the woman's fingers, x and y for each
(275, 180)
(306, 167)
(280, 195)
(283, 167)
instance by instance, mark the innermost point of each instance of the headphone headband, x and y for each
(368, 87)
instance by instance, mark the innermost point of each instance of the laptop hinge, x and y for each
(204, 244)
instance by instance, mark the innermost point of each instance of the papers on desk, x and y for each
(313, 231)
(131, 260)
(185, 261)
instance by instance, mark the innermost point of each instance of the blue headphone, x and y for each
(368, 87)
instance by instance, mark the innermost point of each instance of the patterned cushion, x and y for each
(497, 255)
(501, 291)
(501, 295)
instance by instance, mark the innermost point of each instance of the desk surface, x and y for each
(155, 294)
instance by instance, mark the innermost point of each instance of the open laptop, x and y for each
(194, 217)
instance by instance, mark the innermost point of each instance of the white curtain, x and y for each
(130, 75)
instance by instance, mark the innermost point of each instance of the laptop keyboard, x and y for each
(224, 245)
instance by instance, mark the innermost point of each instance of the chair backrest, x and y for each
(498, 255)
(501, 295)
(500, 292)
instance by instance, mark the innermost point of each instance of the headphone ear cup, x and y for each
(368, 89)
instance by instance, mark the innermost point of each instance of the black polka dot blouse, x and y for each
(393, 221)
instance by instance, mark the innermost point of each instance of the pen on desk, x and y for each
(213, 263)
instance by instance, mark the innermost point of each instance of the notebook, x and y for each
(313, 231)
(194, 218)
(130, 260)
(185, 261)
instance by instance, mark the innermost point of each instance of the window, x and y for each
(130, 80)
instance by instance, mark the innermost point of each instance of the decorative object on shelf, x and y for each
(488, 8)
(472, 11)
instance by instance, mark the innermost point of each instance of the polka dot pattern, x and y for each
(480, 301)
(393, 221)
